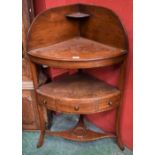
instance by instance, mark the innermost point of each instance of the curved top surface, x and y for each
(77, 49)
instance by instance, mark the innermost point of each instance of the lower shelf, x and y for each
(78, 133)
(78, 94)
(83, 136)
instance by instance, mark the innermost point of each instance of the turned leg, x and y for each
(118, 134)
(42, 125)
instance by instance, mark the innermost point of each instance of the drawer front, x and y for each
(109, 103)
(77, 108)
(48, 102)
(85, 107)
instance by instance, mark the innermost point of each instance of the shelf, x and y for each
(79, 94)
(80, 133)
(76, 50)
(78, 15)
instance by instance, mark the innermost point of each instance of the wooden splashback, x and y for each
(103, 26)
(53, 26)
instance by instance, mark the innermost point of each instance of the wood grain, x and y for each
(103, 26)
(77, 53)
(54, 25)
(77, 49)
(80, 94)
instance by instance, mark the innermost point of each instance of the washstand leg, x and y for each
(118, 134)
(42, 126)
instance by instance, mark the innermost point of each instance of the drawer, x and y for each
(109, 103)
(77, 108)
(47, 101)
(79, 94)
(86, 107)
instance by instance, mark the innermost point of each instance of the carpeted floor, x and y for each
(60, 146)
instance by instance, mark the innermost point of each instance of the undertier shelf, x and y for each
(79, 93)
(80, 133)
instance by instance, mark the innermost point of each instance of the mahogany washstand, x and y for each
(77, 37)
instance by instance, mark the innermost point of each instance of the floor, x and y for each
(60, 146)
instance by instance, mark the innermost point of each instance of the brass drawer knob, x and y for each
(76, 108)
(110, 103)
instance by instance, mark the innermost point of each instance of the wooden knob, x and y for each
(110, 102)
(76, 108)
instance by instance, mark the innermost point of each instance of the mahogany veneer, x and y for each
(79, 50)
(78, 36)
